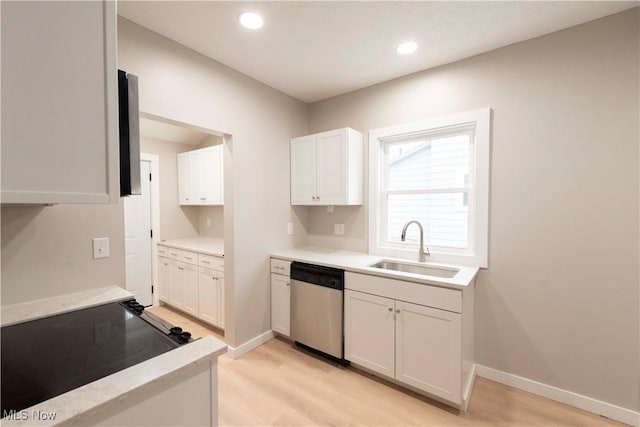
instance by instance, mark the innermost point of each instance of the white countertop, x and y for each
(85, 402)
(36, 309)
(89, 400)
(359, 262)
(205, 245)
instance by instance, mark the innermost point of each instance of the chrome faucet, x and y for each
(421, 252)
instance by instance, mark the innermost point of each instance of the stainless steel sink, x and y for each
(424, 270)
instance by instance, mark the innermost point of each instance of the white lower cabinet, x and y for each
(280, 304)
(413, 344)
(280, 297)
(163, 278)
(192, 282)
(211, 296)
(428, 349)
(190, 288)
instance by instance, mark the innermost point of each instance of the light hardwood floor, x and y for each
(277, 385)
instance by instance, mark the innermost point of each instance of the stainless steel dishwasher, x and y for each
(317, 299)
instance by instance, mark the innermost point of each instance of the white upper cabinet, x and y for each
(200, 176)
(327, 168)
(59, 103)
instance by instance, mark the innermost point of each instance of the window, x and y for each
(435, 172)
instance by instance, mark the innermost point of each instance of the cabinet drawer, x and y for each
(209, 261)
(431, 296)
(280, 266)
(163, 251)
(181, 255)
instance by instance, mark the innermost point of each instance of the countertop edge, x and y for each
(37, 309)
(307, 254)
(207, 246)
(88, 401)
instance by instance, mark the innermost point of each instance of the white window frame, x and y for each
(477, 253)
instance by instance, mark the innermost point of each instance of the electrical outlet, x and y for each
(330, 208)
(290, 228)
(208, 222)
(338, 228)
(101, 247)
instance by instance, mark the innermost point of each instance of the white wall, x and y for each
(179, 84)
(47, 251)
(559, 302)
(175, 221)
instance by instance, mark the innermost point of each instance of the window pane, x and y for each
(425, 164)
(444, 219)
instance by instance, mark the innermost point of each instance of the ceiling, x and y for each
(314, 50)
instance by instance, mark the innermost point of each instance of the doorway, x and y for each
(140, 225)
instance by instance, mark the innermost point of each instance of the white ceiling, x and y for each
(314, 50)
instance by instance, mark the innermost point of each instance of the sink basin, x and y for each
(424, 270)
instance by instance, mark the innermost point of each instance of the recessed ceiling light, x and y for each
(251, 20)
(407, 48)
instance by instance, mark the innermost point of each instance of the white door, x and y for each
(212, 176)
(221, 316)
(184, 182)
(428, 349)
(369, 329)
(137, 242)
(190, 289)
(164, 275)
(332, 158)
(280, 303)
(303, 170)
(208, 295)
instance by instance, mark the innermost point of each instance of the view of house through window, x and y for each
(426, 178)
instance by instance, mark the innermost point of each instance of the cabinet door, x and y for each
(428, 349)
(331, 149)
(164, 275)
(369, 331)
(190, 288)
(212, 174)
(208, 295)
(176, 277)
(184, 184)
(196, 176)
(221, 316)
(59, 103)
(303, 170)
(280, 303)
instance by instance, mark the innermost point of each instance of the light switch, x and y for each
(100, 247)
(290, 228)
(338, 228)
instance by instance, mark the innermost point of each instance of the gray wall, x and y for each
(181, 221)
(559, 301)
(179, 84)
(47, 251)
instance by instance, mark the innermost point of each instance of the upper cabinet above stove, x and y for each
(59, 103)
(327, 168)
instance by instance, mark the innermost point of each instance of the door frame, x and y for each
(154, 163)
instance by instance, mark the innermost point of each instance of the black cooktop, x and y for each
(44, 358)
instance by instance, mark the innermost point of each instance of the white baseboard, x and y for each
(236, 352)
(563, 396)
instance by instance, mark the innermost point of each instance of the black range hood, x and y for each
(129, 122)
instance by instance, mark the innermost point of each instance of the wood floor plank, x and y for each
(278, 384)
